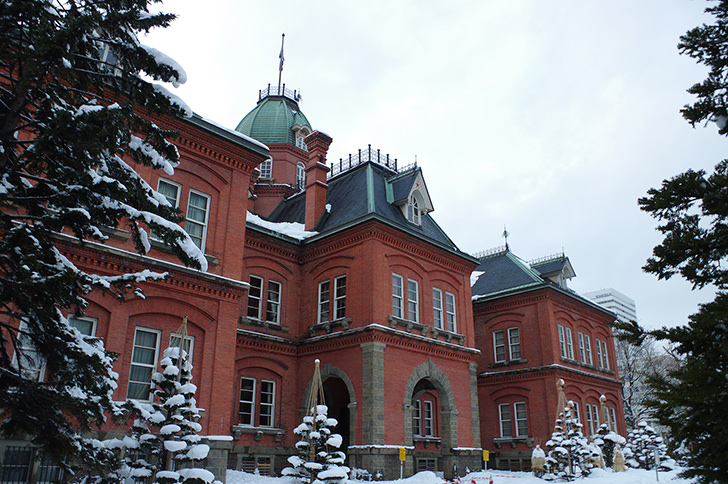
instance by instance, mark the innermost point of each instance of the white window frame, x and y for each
(256, 309)
(514, 348)
(413, 211)
(437, 311)
(562, 340)
(417, 417)
(587, 348)
(605, 355)
(520, 417)
(250, 402)
(576, 411)
(34, 365)
(569, 343)
(340, 297)
(152, 367)
(499, 334)
(267, 408)
(428, 419)
(450, 315)
(506, 420)
(188, 341)
(324, 301)
(397, 296)
(273, 306)
(300, 175)
(612, 418)
(266, 168)
(413, 304)
(203, 224)
(177, 186)
(93, 321)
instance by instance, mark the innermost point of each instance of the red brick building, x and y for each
(533, 331)
(343, 262)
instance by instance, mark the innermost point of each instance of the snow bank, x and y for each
(291, 229)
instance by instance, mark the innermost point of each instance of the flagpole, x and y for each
(280, 65)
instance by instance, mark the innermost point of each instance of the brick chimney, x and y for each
(316, 170)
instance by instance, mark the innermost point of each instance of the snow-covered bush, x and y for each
(164, 444)
(642, 444)
(318, 461)
(607, 440)
(571, 455)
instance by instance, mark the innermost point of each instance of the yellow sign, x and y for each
(486, 455)
(402, 453)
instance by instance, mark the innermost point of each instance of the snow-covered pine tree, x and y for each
(571, 455)
(74, 80)
(318, 461)
(164, 444)
(606, 439)
(642, 443)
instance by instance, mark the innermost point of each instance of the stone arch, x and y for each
(448, 413)
(328, 372)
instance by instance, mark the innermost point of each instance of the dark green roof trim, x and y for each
(243, 141)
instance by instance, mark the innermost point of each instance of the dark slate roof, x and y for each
(502, 272)
(361, 194)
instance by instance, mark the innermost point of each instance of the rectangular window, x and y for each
(576, 411)
(170, 191)
(450, 312)
(499, 345)
(605, 355)
(413, 298)
(187, 343)
(589, 419)
(582, 350)
(197, 213)
(587, 349)
(267, 402)
(514, 343)
(17, 465)
(504, 413)
(569, 345)
(612, 419)
(600, 355)
(247, 401)
(255, 297)
(340, 297)
(324, 292)
(273, 306)
(417, 418)
(87, 326)
(26, 357)
(521, 420)
(562, 341)
(397, 296)
(437, 308)
(143, 364)
(266, 168)
(429, 419)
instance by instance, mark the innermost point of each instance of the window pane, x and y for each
(499, 345)
(272, 312)
(437, 307)
(340, 297)
(143, 363)
(514, 342)
(324, 289)
(267, 399)
(255, 294)
(412, 300)
(450, 309)
(505, 420)
(521, 421)
(170, 192)
(247, 400)
(397, 296)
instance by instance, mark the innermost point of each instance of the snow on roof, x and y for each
(232, 132)
(294, 230)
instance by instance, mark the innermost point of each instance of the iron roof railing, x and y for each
(363, 156)
(279, 91)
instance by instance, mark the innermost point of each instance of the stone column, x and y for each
(373, 393)
(474, 408)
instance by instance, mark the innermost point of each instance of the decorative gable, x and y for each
(409, 193)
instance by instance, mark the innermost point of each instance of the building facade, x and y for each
(622, 306)
(342, 262)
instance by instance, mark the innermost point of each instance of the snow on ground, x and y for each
(599, 476)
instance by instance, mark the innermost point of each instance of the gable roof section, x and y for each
(357, 195)
(558, 264)
(503, 272)
(401, 186)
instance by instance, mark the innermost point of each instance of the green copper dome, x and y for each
(276, 118)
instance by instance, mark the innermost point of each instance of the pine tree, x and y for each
(643, 442)
(75, 93)
(692, 210)
(571, 454)
(164, 444)
(317, 461)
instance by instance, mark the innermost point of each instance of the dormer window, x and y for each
(266, 168)
(300, 143)
(300, 176)
(413, 210)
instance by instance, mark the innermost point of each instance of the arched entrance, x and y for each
(337, 399)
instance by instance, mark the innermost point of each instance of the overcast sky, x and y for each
(549, 117)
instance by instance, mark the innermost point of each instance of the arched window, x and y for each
(413, 211)
(300, 176)
(266, 168)
(425, 410)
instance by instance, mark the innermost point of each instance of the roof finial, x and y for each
(505, 235)
(280, 65)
